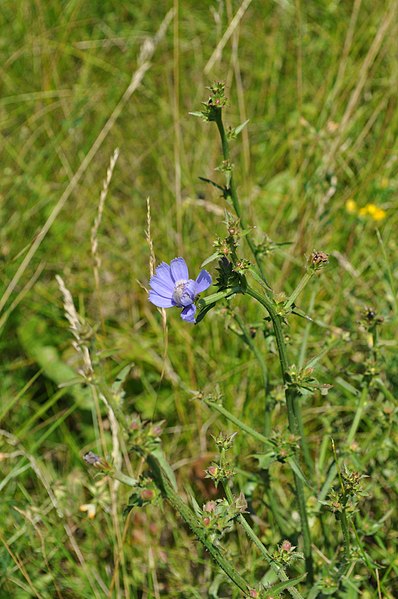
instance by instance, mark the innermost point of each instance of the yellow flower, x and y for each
(373, 211)
(379, 214)
(89, 508)
(351, 206)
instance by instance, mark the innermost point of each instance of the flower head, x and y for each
(171, 286)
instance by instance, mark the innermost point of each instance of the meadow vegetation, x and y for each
(117, 419)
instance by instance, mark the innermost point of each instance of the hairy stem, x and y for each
(302, 283)
(234, 194)
(263, 550)
(293, 410)
(167, 488)
(189, 518)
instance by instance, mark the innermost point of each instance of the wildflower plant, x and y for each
(242, 271)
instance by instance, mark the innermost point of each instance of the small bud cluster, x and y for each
(286, 554)
(242, 265)
(215, 102)
(225, 167)
(279, 304)
(318, 260)
(144, 493)
(352, 482)
(230, 267)
(219, 473)
(224, 441)
(216, 396)
(267, 246)
(302, 379)
(284, 447)
(345, 497)
(370, 319)
(328, 585)
(222, 471)
(227, 246)
(218, 516)
(145, 435)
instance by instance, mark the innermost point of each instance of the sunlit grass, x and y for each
(319, 150)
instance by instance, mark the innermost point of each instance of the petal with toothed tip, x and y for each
(179, 269)
(188, 313)
(203, 281)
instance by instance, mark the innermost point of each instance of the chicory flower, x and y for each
(171, 286)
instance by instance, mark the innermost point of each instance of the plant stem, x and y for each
(244, 427)
(263, 550)
(293, 410)
(233, 193)
(187, 515)
(167, 489)
(302, 283)
(346, 535)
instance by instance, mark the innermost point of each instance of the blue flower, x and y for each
(171, 286)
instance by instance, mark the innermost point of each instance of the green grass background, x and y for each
(318, 82)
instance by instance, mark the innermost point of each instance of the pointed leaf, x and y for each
(297, 470)
(240, 127)
(211, 258)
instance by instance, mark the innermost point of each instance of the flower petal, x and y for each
(188, 313)
(163, 272)
(161, 287)
(160, 301)
(203, 281)
(179, 270)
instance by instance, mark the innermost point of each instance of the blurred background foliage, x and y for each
(318, 82)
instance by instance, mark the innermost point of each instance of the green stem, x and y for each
(123, 478)
(293, 409)
(303, 282)
(306, 450)
(263, 550)
(346, 535)
(244, 427)
(189, 518)
(167, 489)
(247, 429)
(234, 195)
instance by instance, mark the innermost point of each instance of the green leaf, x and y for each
(297, 470)
(200, 115)
(121, 378)
(211, 258)
(159, 455)
(216, 185)
(277, 588)
(203, 311)
(240, 128)
(265, 459)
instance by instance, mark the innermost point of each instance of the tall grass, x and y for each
(318, 83)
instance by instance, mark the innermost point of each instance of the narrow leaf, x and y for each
(240, 127)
